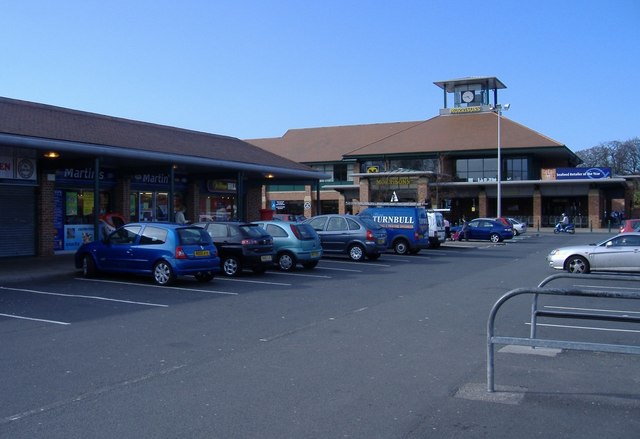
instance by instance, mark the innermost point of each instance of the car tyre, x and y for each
(88, 266)
(495, 238)
(356, 252)
(163, 273)
(577, 265)
(286, 262)
(231, 266)
(310, 265)
(204, 276)
(401, 247)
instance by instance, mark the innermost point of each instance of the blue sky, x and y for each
(253, 69)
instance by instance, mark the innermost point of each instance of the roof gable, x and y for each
(30, 119)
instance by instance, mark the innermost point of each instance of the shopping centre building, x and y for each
(57, 165)
(450, 161)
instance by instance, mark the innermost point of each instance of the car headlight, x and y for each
(555, 251)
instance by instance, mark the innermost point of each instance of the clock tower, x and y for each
(470, 95)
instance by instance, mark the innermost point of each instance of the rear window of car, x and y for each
(370, 224)
(305, 231)
(194, 236)
(253, 231)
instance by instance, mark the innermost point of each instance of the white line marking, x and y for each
(79, 296)
(229, 279)
(35, 320)
(339, 269)
(343, 261)
(300, 274)
(586, 327)
(154, 286)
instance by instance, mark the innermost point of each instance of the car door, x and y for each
(621, 253)
(149, 248)
(475, 231)
(117, 253)
(336, 234)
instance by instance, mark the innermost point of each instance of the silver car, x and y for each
(620, 253)
(518, 226)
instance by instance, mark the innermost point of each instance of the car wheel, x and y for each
(356, 252)
(572, 231)
(231, 266)
(401, 247)
(204, 276)
(286, 262)
(163, 273)
(88, 266)
(310, 265)
(577, 265)
(515, 232)
(494, 238)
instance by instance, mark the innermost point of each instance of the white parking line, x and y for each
(338, 261)
(79, 296)
(231, 279)
(155, 286)
(339, 269)
(300, 274)
(35, 320)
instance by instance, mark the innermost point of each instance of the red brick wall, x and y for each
(45, 214)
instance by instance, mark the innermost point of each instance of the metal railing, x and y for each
(534, 342)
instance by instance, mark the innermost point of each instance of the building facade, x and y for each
(65, 175)
(451, 161)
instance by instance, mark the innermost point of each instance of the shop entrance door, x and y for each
(150, 206)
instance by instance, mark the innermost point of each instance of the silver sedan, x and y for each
(620, 253)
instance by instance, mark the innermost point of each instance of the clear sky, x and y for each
(256, 68)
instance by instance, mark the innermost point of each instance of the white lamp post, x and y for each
(499, 109)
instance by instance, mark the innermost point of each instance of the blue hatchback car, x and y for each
(484, 228)
(163, 250)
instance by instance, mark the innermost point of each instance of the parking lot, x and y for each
(388, 348)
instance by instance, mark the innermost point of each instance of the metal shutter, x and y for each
(17, 221)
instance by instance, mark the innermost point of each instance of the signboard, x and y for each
(17, 168)
(582, 173)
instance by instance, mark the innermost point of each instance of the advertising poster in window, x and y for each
(77, 234)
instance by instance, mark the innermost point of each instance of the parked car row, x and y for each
(204, 249)
(167, 250)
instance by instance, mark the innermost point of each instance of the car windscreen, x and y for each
(370, 224)
(194, 236)
(252, 231)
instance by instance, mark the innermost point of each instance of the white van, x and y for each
(436, 228)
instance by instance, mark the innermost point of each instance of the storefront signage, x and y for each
(17, 168)
(582, 173)
(221, 185)
(156, 181)
(393, 181)
(84, 175)
(465, 110)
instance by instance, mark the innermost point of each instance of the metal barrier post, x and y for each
(560, 344)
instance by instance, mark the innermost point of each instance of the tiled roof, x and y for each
(445, 133)
(31, 119)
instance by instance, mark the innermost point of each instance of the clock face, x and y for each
(468, 96)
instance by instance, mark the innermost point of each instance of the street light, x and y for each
(498, 109)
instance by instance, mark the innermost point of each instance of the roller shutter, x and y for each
(17, 221)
